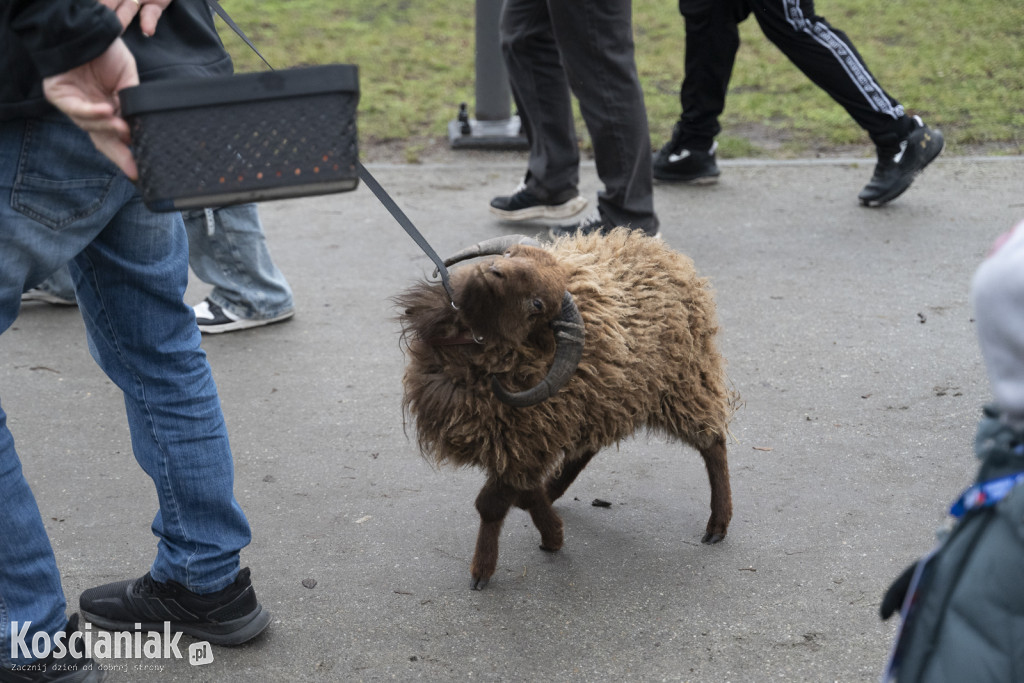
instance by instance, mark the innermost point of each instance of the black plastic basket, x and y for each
(249, 137)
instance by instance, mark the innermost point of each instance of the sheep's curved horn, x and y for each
(569, 334)
(495, 245)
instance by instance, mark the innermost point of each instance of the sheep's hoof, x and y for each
(711, 538)
(549, 550)
(478, 584)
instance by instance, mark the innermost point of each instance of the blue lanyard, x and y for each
(985, 494)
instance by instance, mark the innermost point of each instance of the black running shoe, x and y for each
(678, 162)
(228, 617)
(896, 170)
(53, 669)
(587, 226)
(523, 205)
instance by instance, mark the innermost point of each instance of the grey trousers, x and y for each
(997, 294)
(554, 47)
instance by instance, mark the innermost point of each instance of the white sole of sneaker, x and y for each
(571, 208)
(47, 298)
(243, 324)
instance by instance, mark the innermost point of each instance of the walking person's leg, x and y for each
(179, 437)
(828, 57)
(712, 40)
(130, 274)
(542, 96)
(228, 249)
(595, 40)
(59, 194)
(178, 432)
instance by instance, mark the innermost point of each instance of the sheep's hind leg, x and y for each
(721, 493)
(547, 521)
(493, 503)
(571, 469)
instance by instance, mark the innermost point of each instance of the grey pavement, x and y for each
(847, 331)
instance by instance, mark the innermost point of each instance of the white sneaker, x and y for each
(36, 294)
(212, 319)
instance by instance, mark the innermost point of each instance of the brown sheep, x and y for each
(596, 337)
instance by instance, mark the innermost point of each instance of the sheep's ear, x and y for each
(569, 335)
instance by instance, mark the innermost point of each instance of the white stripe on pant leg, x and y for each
(854, 68)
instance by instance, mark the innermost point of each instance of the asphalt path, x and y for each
(848, 333)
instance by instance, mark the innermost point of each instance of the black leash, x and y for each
(407, 225)
(364, 175)
(222, 13)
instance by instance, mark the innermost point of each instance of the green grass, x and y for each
(960, 65)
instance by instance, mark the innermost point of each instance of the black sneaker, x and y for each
(52, 669)
(589, 226)
(523, 205)
(228, 617)
(212, 319)
(677, 163)
(896, 170)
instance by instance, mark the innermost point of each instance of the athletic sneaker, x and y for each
(212, 319)
(230, 616)
(523, 205)
(896, 169)
(677, 162)
(53, 669)
(589, 226)
(36, 294)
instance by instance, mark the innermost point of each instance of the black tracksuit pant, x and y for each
(824, 54)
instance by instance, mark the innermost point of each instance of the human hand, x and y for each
(88, 96)
(149, 12)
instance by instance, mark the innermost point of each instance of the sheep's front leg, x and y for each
(721, 493)
(492, 503)
(547, 521)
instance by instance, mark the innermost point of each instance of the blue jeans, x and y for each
(227, 249)
(62, 202)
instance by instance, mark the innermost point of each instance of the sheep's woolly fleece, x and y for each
(649, 361)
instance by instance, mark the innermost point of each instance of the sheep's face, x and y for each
(509, 297)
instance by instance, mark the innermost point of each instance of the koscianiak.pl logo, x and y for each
(136, 650)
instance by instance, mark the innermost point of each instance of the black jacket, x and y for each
(40, 38)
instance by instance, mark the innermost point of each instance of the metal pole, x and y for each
(493, 127)
(493, 97)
